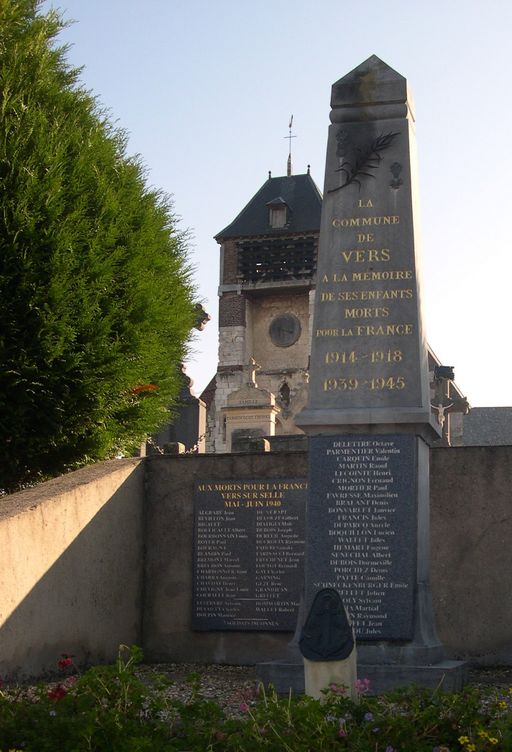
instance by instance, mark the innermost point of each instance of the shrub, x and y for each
(109, 708)
(96, 300)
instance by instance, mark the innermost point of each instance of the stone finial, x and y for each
(373, 90)
(202, 317)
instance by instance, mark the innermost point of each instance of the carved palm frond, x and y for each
(365, 160)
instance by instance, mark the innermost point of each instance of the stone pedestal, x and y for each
(449, 676)
(250, 413)
(319, 675)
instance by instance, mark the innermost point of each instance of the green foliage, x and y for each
(96, 300)
(110, 708)
(106, 709)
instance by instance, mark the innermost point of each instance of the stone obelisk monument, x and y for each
(368, 415)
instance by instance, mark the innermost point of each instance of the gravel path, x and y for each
(231, 685)
(227, 685)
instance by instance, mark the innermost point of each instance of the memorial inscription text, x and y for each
(248, 554)
(371, 291)
(363, 512)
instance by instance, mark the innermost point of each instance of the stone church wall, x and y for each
(265, 352)
(250, 339)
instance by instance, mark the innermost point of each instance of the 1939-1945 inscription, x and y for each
(248, 554)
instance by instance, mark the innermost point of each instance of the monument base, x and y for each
(450, 676)
(400, 654)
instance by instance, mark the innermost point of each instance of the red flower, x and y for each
(65, 661)
(141, 388)
(58, 693)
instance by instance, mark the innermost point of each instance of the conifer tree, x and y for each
(96, 298)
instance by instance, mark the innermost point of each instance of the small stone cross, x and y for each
(250, 371)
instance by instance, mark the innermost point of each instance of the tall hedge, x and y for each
(96, 298)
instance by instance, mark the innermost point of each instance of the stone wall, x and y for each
(229, 378)
(229, 262)
(471, 567)
(232, 346)
(169, 528)
(471, 531)
(72, 576)
(265, 353)
(71, 568)
(232, 310)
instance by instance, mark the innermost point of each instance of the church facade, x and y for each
(268, 264)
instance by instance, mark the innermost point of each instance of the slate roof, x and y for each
(208, 393)
(487, 426)
(300, 194)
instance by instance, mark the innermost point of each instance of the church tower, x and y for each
(267, 277)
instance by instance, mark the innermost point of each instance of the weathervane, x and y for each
(289, 137)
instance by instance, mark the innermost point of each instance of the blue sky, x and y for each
(206, 90)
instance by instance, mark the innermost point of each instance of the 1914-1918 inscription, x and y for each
(248, 554)
(362, 515)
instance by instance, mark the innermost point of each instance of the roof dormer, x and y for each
(277, 213)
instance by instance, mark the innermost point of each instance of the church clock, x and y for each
(285, 330)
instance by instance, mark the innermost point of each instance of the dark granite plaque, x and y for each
(248, 554)
(361, 522)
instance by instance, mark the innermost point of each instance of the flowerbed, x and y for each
(109, 708)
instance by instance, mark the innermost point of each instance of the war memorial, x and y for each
(218, 557)
(368, 414)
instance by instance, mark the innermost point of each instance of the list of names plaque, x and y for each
(248, 554)
(362, 516)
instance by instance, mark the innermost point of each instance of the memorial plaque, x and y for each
(362, 526)
(248, 554)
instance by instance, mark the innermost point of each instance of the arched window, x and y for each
(284, 394)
